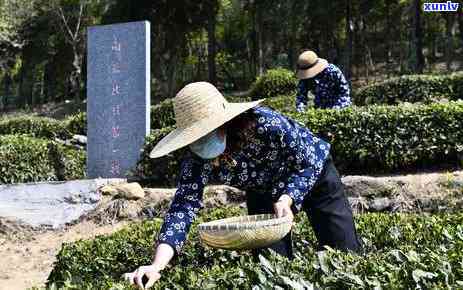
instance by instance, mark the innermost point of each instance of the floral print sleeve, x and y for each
(300, 182)
(304, 153)
(296, 185)
(187, 202)
(301, 97)
(343, 100)
(331, 89)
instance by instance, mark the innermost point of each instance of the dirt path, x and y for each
(24, 265)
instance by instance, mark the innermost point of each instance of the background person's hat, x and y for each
(309, 65)
(199, 109)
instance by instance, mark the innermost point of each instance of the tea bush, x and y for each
(162, 115)
(27, 159)
(374, 139)
(77, 124)
(284, 104)
(402, 252)
(273, 83)
(74, 162)
(39, 127)
(391, 138)
(412, 88)
(160, 171)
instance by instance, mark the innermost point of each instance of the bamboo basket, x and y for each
(244, 232)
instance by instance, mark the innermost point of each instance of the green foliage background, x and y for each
(39, 55)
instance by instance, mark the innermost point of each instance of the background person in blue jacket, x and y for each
(280, 164)
(325, 80)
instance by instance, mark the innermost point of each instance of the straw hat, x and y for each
(199, 109)
(309, 65)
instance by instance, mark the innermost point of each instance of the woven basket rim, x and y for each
(250, 222)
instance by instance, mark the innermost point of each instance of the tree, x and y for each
(460, 26)
(388, 31)
(416, 57)
(71, 15)
(349, 41)
(14, 17)
(13, 13)
(260, 36)
(292, 33)
(211, 47)
(449, 36)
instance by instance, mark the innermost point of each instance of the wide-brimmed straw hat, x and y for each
(199, 109)
(310, 65)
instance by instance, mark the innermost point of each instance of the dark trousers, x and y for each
(327, 208)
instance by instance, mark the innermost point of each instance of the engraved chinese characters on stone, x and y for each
(118, 101)
(115, 167)
(116, 131)
(116, 110)
(116, 46)
(116, 89)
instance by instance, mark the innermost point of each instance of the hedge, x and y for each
(160, 171)
(412, 88)
(365, 140)
(43, 127)
(273, 83)
(283, 103)
(402, 252)
(385, 139)
(40, 127)
(27, 159)
(77, 124)
(162, 115)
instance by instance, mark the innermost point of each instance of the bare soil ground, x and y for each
(27, 261)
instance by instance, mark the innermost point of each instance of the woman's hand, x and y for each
(283, 206)
(150, 272)
(163, 255)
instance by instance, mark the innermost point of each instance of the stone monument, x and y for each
(118, 97)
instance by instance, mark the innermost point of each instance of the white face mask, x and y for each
(209, 146)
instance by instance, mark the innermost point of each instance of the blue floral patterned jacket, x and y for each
(331, 90)
(280, 157)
